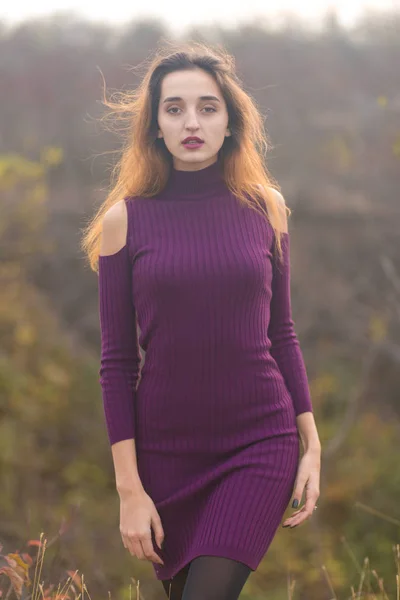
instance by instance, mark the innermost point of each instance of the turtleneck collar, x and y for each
(195, 185)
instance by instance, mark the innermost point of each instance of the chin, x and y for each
(199, 155)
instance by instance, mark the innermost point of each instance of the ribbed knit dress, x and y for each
(213, 407)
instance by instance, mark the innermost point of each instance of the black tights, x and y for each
(208, 578)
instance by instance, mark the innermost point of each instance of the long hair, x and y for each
(145, 163)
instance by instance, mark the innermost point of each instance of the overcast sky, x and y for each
(178, 14)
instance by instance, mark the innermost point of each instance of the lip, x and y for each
(193, 138)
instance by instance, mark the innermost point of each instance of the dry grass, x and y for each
(20, 576)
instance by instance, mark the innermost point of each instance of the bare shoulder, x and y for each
(114, 228)
(281, 204)
(282, 223)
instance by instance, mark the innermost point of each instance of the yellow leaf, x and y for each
(377, 328)
(24, 334)
(396, 147)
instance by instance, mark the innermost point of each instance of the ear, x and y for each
(228, 132)
(159, 134)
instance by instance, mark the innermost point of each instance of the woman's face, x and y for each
(183, 112)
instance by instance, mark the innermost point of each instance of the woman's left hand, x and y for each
(308, 477)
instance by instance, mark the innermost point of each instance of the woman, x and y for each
(192, 245)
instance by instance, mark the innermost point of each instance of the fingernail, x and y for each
(295, 503)
(285, 525)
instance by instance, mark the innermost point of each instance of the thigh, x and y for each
(215, 578)
(174, 587)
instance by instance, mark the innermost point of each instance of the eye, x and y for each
(211, 108)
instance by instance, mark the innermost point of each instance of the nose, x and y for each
(191, 121)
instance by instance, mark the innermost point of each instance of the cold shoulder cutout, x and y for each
(114, 229)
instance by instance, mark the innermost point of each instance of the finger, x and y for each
(136, 545)
(300, 520)
(290, 519)
(312, 494)
(128, 544)
(299, 489)
(148, 550)
(296, 512)
(137, 548)
(125, 540)
(308, 509)
(158, 529)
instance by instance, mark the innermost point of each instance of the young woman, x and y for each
(192, 245)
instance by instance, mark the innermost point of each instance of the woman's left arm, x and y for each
(286, 351)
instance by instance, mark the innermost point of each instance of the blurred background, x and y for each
(327, 78)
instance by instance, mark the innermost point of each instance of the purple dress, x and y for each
(213, 407)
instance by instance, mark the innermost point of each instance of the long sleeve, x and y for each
(285, 347)
(120, 355)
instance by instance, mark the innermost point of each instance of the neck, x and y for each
(195, 185)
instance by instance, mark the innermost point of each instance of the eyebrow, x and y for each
(178, 98)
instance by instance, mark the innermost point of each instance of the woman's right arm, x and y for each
(120, 355)
(119, 372)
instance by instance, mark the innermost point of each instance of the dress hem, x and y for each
(238, 554)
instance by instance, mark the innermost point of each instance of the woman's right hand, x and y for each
(137, 515)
